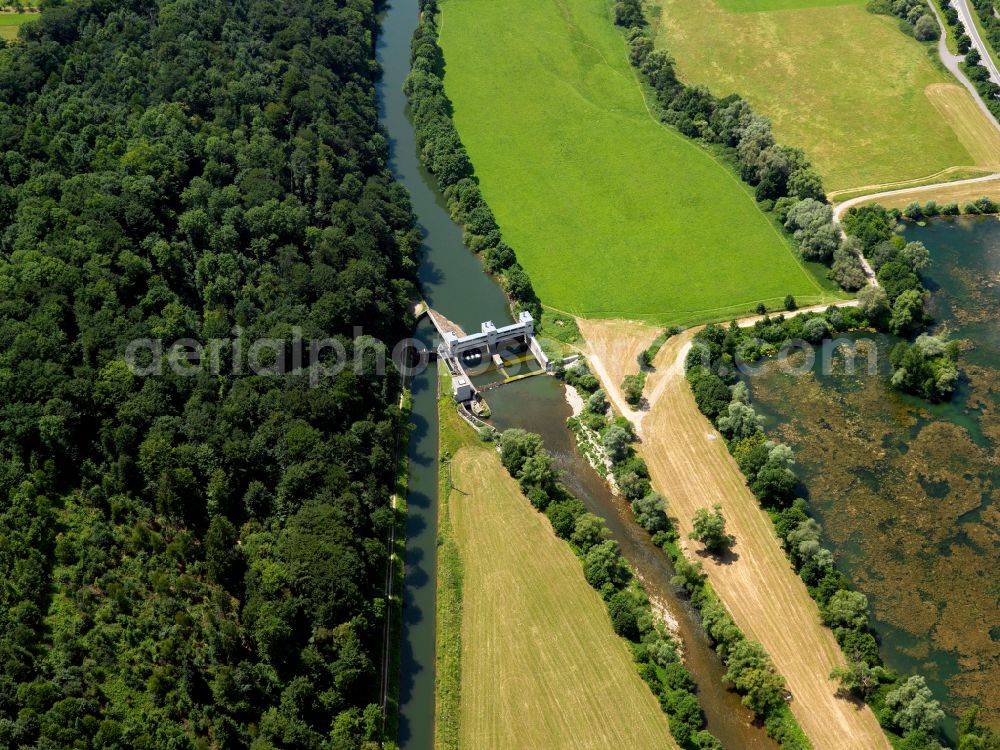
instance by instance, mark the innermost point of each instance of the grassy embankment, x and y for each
(949, 39)
(866, 102)
(450, 578)
(529, 641)
(690, 465)
(949, 175)
(398, 563)
(610, 212)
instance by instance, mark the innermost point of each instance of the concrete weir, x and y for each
(492, 350)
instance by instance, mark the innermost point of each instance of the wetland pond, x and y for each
(907, 490)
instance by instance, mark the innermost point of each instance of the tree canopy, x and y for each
(194, 561)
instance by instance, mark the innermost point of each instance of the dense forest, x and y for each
(194, 560)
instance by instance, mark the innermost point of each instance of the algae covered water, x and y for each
(907, 491)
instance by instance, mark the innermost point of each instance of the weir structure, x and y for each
(493, 350)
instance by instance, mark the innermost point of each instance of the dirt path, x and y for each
(841, 208)
(750, 320)
(690, 464)
(951, 62)
(622, 340)
(834, 195)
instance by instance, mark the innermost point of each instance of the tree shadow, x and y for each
(847, 696)
(415, 524)
(725, 556)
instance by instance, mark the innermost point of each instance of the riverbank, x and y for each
(396, 574)
(453, 437)
(539, 406)
(565, 173)
(453, 282)
(690, 464)
(536, 641)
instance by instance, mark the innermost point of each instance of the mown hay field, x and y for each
(866, 102)
(541, 665)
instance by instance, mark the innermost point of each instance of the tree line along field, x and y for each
(541, 665)
(761, 591)
(960, 194)
(611, 213)
(864, 100)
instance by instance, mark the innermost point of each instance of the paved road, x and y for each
(840, 208)
(965, 13)
(951, 61)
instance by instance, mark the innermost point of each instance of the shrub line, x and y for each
(904, 707)
(782, 178)
(654, 649)
(444, 156)
(751, 671)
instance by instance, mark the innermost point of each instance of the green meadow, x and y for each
(612, 213)
(867, 103)
(11, 22)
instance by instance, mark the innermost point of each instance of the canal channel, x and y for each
(454, 284)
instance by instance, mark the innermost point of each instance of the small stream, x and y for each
(454, 283)
(539, 405)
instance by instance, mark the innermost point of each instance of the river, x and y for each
(539, 405)
(907, 491)
(454, 284)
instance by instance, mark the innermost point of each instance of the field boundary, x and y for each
(644, 91)
(722, 632)
(460, 443)
(931, 180)
(792, 275)
(689, 463)
(863, 142)
(450, 578)
(841, 208)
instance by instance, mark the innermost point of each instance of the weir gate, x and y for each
(481, 361)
